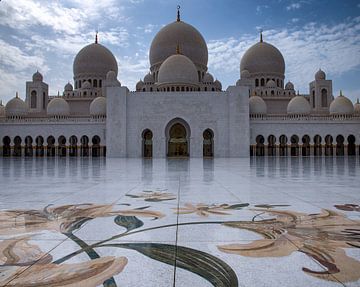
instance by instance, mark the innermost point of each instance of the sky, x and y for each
(311, 34)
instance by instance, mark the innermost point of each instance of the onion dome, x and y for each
(37, 77)
(341, 105)
(86, 85)
(139, 85)
(2, 110)
(94, 60)
(298, 105)
(177, 69)
(357, 107)
(263, 58)
(98, 107)
(58, 107)
(68, 87)
(111, 79)
(320, 75)
(271, 84)
(245, 74)
(149, 79)
(257, 105)
(186, 36)
(16, 107)
(289, 86)
(218, 84)
(208, 78)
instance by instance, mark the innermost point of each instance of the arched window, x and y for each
(50, 146)
(6, 146)
(33, 100)
(351, 145)
(313, 98)
(205, 89)
(260, 147)
(294, 150)
(17, 146)
(317, 146)
(324, 98)
(328, 145)
(177, 89)
(278, 82)
(172, 89)
(84, 148)
(95, 83)
(182, 89)
(39, 146)
(272, 92)
(62, 146)
(262, 82)
(73, 146)
(306, 145)
(96, 146)
(256, 82)
(340, 145)
(28, 146)
(283, 145)
(272, 145)
(147, 143)
(208, 143)
(100, 83)
(151, 89)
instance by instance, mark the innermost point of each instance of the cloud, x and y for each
(293, 6)
(260, 8)
(336, 49)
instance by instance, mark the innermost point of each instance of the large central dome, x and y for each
(181, 34)
(94, 60)
(263, 58)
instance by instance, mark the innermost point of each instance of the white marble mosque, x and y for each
(179, 109)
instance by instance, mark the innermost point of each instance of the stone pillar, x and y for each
(334, 149)
(266, 150)
(346, 147)
(116, 126)
(239, 126)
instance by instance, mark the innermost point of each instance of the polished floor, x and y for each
(223, 222)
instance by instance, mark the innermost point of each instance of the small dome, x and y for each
(341, 106)
(16, 107)
(2, 110)
(208, 78)
(257, 105)
(245, 74)
(263, 58)
(218, 84)
(178, 69)
(149, 79)
(139, 85)
(111, 79)
(86, 85)
(98, 107)
(357, 107)
(271, 84)
(37, 77)
(320, 75)
(68, 87)
(58, 107)
(298, 105)
(95, 60)
(190, 41)
(289, 86)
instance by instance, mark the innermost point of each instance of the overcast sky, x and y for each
(311, 34)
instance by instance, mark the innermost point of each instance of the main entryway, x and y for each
(178, 145)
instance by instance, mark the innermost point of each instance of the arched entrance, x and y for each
(208, 143)
(178, 144)
(6, 146)
(96, 149)
(147, 143)
(39, 146)
(260, 147)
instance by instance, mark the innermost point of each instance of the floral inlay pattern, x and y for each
(204, 210)
(322, 236)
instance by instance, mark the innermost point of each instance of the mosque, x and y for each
(179, 109)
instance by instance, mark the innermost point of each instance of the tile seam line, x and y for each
(176, 234)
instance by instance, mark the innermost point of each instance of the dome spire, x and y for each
(17, 94)
(96, 36)
(178, 13)
(261, 35)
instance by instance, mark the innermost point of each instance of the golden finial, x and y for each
(178, 49)
(178, 13)
(261, 35)
(96, 36)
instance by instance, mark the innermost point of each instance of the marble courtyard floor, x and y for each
(223, 222)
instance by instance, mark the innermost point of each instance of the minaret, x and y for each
(178, 14)
(96, 36)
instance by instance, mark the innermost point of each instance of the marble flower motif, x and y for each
(321, 236)
(153, 196)
(204, 210)
(17, 255)
(348, 207)
(64, 219)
